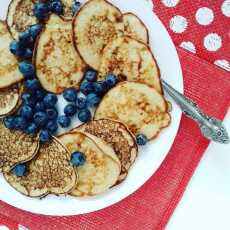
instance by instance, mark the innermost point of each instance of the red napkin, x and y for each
(152, 205)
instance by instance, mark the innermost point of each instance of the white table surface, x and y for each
(205, 204)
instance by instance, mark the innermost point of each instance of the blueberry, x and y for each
(32, 84)
(19, 170)
(76, 6)
(141, 139)
(77, 158)
(84, 115)
(9, 122)
(111, 80)
(56, 7)
(20, 123)
(35, 30)
(44, 136)
(64, 121)
(91, 75)
(92, 100)
(81, 102)
(50, 100)
(16, 49)
(28, 99)
(39, 106)
(28, 53)
(40, 119)
(52, 113)
(26, 68)
(41, 10)
(52, 127)
(24, 38)
(70, 109)
(100, 87)
(86, 87)
(70, 95)
(40, 94)
(26, 111)
(31, 128)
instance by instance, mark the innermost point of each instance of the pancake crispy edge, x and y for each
(58, 65)
(100, 171)
(49, 172)
(140, 107)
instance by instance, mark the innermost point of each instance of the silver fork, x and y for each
(211, 127)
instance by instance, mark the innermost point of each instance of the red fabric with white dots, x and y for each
(152, 205)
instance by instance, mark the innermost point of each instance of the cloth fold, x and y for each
(152, 205)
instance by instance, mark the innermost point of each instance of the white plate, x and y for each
(150, 157)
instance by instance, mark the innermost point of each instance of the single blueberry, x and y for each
(39, 106)
(86, 87)
(26, 68)
(70, 109)
(26, 111)
(141, 139)
(19, 170)
(52, 127)
(31, 128)
(9, 122)
(52, 113)
(28, 53)
(100, 87)
(92, 100)
(78, 158)
(16, 49)
(24, 38)
(91, 75)
(40, 119)
(70, 95)
(84, 115)
(50, 100)
(32, 84)
(81, 102)
(64, 121)
(41, 10)
(56, 7)
(44, 136)
(20, 123)
(35, 30)
(111, 80)
(28, 99)
(40, 94)
(75, 6)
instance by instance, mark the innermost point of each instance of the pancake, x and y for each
(58, 65)
(97, 23)
(9, 72)
(20, 16)
(118, 136)
(9, 99)
(100, 170)
(135, 28)
(49, 172)
(68, 14)
(15, 148)
(138, 106)
(130, 60)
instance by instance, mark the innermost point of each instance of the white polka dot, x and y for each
(3, 227)
(224, 64)
(204, 16)
(170, 3)
(178, 24)
(21, 227)
(225, 8)
(188, 46)
(212, 42)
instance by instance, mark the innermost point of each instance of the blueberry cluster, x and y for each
(89, 96)
(42, 9)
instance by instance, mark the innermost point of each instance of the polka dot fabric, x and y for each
(201, 27)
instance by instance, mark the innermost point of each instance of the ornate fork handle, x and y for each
(211, 127)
